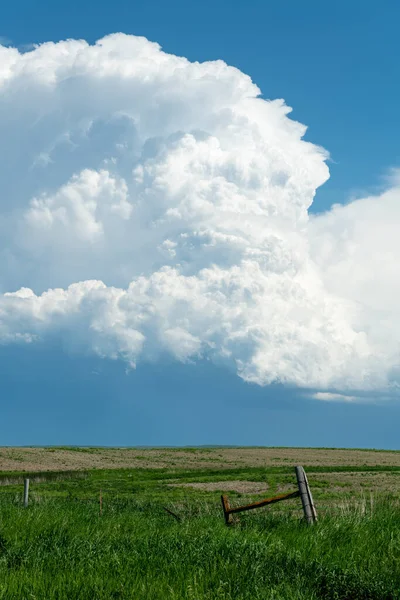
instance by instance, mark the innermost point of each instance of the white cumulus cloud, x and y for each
(150, 205)
(330, 397)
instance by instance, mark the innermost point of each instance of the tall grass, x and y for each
(60, 549)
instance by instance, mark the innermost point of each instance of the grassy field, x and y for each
(60, 547)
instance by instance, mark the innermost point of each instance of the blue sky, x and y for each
(336, 64)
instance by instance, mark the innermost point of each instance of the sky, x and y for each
(185, 261)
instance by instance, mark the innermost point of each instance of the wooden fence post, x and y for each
(26, 492)
(226, 508)
(313, 509)
(305, 494)
(101, 504)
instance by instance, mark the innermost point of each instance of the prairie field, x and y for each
(74, 458)
(139, 523)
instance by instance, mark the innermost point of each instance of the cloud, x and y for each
(360, 397)
(151, 206)
(331, 397)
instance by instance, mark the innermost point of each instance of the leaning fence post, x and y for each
(304, 495)
(313, 509)
(26, 492)
(226, 508)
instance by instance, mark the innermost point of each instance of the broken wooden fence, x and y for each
(303, 492)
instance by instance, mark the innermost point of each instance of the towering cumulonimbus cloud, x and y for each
(151, 205)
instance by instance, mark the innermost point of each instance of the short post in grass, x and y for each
(101, 504)
(226, 508)
(26, 492)
(305, 495)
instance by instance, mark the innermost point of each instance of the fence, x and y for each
(303, 492)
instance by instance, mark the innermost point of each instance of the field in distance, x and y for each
(70, 458)
(335, 474)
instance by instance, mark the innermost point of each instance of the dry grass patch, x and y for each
(359, 482)
(242, 487)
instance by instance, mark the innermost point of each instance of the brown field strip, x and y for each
(60, 459)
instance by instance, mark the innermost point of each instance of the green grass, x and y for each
(61, 548)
